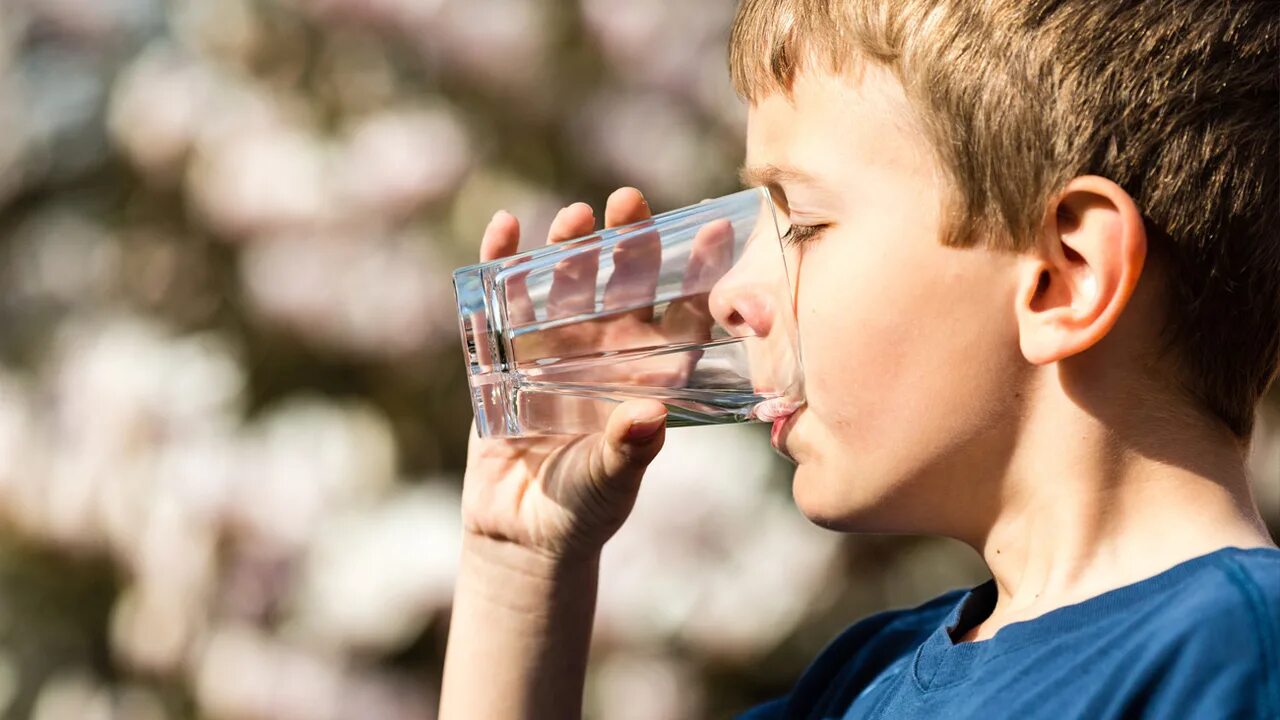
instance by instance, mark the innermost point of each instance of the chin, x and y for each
(819, 497)
(844, 501)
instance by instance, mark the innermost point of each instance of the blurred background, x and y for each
(232, 405)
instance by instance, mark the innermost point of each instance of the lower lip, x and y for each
(775, 436)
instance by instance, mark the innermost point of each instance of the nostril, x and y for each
(744, 313)
(741, 306)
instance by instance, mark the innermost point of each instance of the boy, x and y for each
(1039, 302)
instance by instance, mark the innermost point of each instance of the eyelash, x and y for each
(801, 234)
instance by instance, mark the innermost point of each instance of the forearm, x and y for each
(519, 634)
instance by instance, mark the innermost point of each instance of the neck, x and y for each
(1089, 504)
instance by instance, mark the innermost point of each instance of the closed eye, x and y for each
(801, 234)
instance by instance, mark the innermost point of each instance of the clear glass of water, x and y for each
(693, 307)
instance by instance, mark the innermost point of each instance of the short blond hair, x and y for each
(1178, 102)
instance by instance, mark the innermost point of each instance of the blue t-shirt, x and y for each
(1200, 640)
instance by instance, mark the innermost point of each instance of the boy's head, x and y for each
(991, 179)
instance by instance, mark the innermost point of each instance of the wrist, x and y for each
(519, 634)
(525, 579)
(491, 550)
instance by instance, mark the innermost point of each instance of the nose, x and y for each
(742, 301)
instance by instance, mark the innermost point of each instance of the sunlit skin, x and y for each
(910, 348)
(1005, 399)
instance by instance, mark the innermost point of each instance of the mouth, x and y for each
(774, 409)
(780, 412)
(778, 435)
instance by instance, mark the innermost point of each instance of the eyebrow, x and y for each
(773, 175)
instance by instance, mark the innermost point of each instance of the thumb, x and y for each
(632, 438)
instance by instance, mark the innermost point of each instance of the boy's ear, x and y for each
(1089, 257)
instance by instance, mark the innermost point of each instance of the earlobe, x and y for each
(1083, 272)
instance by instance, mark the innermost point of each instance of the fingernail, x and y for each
(496, 215)
(642, 428)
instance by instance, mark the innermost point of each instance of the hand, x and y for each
(654, 344)
(558, 495)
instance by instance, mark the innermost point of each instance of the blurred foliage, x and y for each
(232, 412)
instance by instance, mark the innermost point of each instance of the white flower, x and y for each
(408, 16)
(648, 140)
(501, 44)
(158, 106)
(373, 296)
(677, 48)
(378, 572)
(244, 673)
(262, 179)
(120, 378)
(299, 462)
(122, 390)
(635, 686)
(72, 694)
(395, 161)
(228, 30)
(98, 21)
(61, 256)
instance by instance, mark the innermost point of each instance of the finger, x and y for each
(634, 434)
(634, 282)
(519, 305)
(571, 222)
(573, 282)
(501, 237)
(624, 206)
(689, 319)
(710, 257)
(637, 260)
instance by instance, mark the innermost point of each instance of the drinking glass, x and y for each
(692, 307)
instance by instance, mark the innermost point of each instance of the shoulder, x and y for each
(1230, 604)
(1219, 644)
(1238, 589)
(1254, 572)
(1245, 605)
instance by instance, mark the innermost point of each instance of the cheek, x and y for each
(898, 346)
(853, 346)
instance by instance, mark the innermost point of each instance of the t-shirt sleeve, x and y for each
(1228, 668)
(1213, 681)
(854, 658)
(834, 660)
